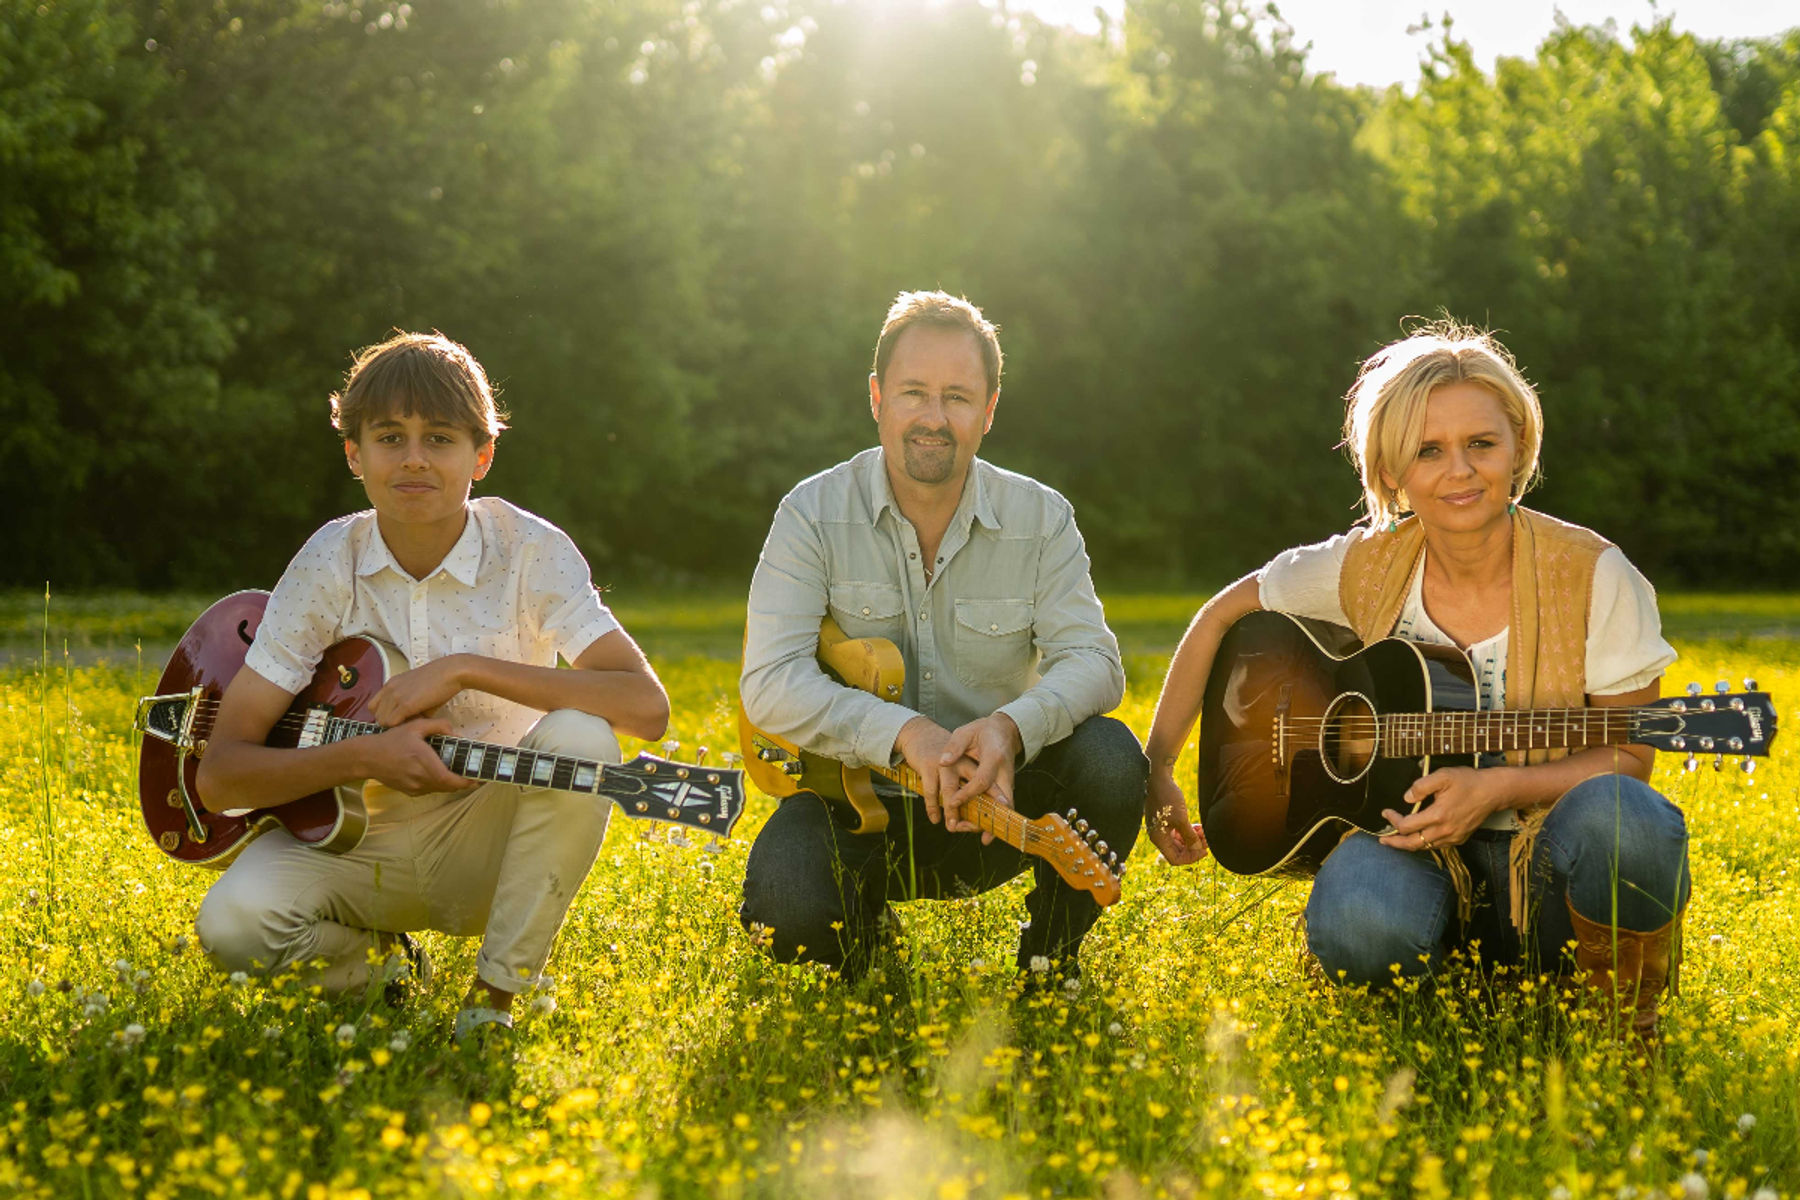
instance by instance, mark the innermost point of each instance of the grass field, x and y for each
(1198, 1060)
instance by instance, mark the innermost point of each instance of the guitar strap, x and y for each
(1546, 646)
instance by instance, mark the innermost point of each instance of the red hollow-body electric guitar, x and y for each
(177, 721)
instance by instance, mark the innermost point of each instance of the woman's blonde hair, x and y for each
(1385, 417)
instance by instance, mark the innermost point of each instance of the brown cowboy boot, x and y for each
(1626, 970)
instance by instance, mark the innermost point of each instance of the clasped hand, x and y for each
(955, 766)
(1461, 799)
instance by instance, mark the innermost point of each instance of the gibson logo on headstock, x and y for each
(1756, 724)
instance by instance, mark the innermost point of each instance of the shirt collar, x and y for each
(975, 502)
(462, 564)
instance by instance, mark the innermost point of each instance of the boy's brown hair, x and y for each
(424, 373)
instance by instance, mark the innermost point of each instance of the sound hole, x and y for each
(1347, 738)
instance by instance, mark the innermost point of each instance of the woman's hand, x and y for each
(1167, 822)
(1461, 799)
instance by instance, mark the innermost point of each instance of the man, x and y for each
(981, 578)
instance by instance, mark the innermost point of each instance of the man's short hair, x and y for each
(424, 373)
(940, 310)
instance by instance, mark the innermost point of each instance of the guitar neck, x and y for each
(498, 764)
(983, 811)
(1412, 735)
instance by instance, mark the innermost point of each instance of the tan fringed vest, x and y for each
(1546, 648)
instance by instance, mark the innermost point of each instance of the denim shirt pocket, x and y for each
(993, 642)
(867, 609)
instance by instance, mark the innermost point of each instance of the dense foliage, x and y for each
(671, 229)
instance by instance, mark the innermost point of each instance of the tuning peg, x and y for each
(700, 756)
(1748, 765)
(1120, 871)
(1718, 762)
(670, 747)
(1071, 814)
(1112, 860)
(731, 758)
(716, 846)
(1723, 686)
(1694, 689)
(1081, 826)
(1690, 764)
(1735, 744)
(1706, 743)
(1749, 684)
(1099, 847)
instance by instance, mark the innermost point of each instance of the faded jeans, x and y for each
(1614, 846)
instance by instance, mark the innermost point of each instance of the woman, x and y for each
(1524, 857)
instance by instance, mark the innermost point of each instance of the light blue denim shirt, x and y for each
(1008, 623)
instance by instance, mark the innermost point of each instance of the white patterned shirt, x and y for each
(513, 587)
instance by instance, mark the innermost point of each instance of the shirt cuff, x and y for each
(874, 740)
(577, 645)
(288, 679)
(1027, 712)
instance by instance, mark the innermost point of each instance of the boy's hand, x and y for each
(401, 759)
(418, 691)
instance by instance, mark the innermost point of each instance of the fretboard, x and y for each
(496, 764)
(983, 812)
(1409, 735)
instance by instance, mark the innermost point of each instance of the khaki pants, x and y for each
(498, 860)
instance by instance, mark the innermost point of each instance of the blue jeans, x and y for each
(822, 892)
(1613, 846)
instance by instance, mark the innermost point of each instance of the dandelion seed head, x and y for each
(345, 1034)
(1746, 1122)
(1693, 1186)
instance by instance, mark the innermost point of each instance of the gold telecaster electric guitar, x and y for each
(873, 665)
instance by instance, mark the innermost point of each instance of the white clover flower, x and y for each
(35, 988)
(122, 966)
(1701, 1154)
(93, 1004)
(132, 1034)
(400, 1041)
(1039, 965)
(1746, 1122)
(345, 1034)
(271, 1032)
(1626, 1192)
(240, 978)
(1693, 1186)
(1717, 939)
(1115, 1029)
(543, 1002)
(1559, 1192)
(1765, 1193)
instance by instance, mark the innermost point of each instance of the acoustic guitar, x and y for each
(874, 665)
(1304, 733)
(177, 721)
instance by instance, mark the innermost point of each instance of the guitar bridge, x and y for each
(1278, 738)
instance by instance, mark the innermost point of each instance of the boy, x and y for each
(480, 597)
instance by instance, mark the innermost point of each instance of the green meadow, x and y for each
(1199, 1058)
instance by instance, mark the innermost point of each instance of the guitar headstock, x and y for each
(1080, 858)
(701, 797)
(1740, 724)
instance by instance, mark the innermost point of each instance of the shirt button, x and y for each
(993, 629)
(928, 676)
(865, 610)
(925, 614)
(914, 554)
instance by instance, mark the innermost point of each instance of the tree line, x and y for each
(670, 228)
